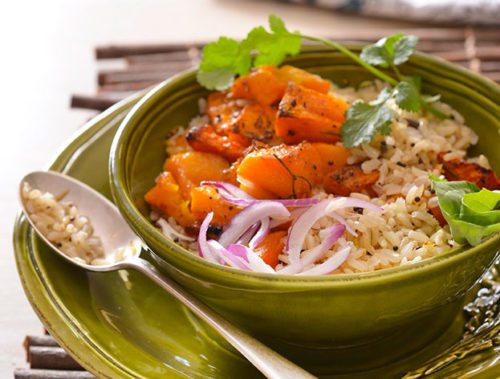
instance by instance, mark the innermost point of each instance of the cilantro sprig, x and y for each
(227, 58)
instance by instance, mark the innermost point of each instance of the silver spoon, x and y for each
(114, 232)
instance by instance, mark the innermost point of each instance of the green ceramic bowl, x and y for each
(398, 309)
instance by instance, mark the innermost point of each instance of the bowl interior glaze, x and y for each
(326, 311)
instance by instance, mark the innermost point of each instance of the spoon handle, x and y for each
(266, 360)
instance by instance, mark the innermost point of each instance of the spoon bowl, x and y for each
(105, 217)
(115, 233)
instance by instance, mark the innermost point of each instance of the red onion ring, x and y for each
(261, 233)
(204, 249)
(310, 256)
(330, 265)
(244, 219)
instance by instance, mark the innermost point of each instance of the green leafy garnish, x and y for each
(227, 58)
(472, 214)
(364, 120)
(390, 51)
(224, 59)
(407, 96)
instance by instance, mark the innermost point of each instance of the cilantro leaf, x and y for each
(271, 48)
(390, 51)
(224, 59)
(407, 96)
(382, 52)
(403, 49)
(276, 24)
(471, 213)
(217, 79)
(364, 120)
(221, 61)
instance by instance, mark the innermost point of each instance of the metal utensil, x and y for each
(114, 232)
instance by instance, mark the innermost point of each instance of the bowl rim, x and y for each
(484, 86)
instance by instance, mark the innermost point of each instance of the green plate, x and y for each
(121, 324)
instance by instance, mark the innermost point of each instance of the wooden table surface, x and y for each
(47, 54)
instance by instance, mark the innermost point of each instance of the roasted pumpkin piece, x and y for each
(438, 215)
(306, 114)
(458, 169)
(349, 179)
(306, 79)
(177, 144)
(283, 171)
(189, 169)
(166, 197)
(205, 199)
(229, 175)
(261, 84)
(204, 138)
(332, 156)
(256, 121)
(271, 247)
(222, 111)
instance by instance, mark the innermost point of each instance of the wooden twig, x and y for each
(45, 340)
(152, 67)
(120, 51)
(99, 103)
(176, 56)
(126, 87)
(428, 34)
(495, 75)
(481, 52)
(51, 374)
(489, 66)
(49, 357)
(119, 77)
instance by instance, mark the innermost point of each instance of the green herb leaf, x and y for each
(471, 213)
(364, 120)
(271, 48)
(221, 61)
(403, 49)
(390, 51)
(407, 96)
(277, 25)
(224, 59)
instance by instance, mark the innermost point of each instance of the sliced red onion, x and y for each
(247, 236)
(261, 233)
(229, 257)
(230, 189)
(244, 219)
(305, 221)
(343, 221)
(238, 250)
(240, 202)
(310, 256)
(300, 227)
(169, 231)
(204, 249)
(330, 265)
(294, 213)
(254, 261)
(257, 264)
